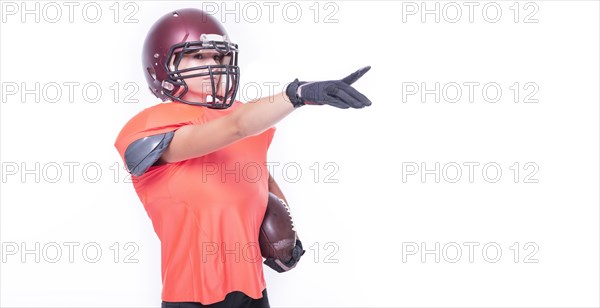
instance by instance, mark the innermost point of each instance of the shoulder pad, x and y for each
(144, 152)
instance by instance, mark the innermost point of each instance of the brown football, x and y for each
(277, 236)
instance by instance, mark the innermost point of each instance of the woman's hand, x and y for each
(337, 93)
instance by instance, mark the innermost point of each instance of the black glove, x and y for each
(281, 266)
(337, 93)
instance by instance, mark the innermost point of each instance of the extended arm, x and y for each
(249, 119)
(255, 117)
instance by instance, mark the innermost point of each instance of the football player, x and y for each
(198, 160)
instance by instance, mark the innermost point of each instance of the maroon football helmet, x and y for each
(188, 31)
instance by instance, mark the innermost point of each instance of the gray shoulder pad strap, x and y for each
(144, 152)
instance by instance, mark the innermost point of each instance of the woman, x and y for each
(198, 160)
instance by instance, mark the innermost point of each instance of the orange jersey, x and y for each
(206, 211)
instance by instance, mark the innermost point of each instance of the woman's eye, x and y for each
(217, 57)
(198, 56)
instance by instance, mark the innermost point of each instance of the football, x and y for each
(277, 236)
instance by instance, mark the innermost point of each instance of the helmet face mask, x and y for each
(181, 34)
(224, 77)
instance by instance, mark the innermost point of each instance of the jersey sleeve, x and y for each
(151, 130)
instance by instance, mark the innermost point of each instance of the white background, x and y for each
(371, 213)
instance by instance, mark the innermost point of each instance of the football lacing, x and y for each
(287, 209)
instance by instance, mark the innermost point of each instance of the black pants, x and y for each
(235, 299)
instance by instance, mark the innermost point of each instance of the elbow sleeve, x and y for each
(144, 152)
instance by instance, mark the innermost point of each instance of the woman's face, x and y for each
(199, 88)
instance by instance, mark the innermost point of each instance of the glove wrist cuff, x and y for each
(292, 92)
